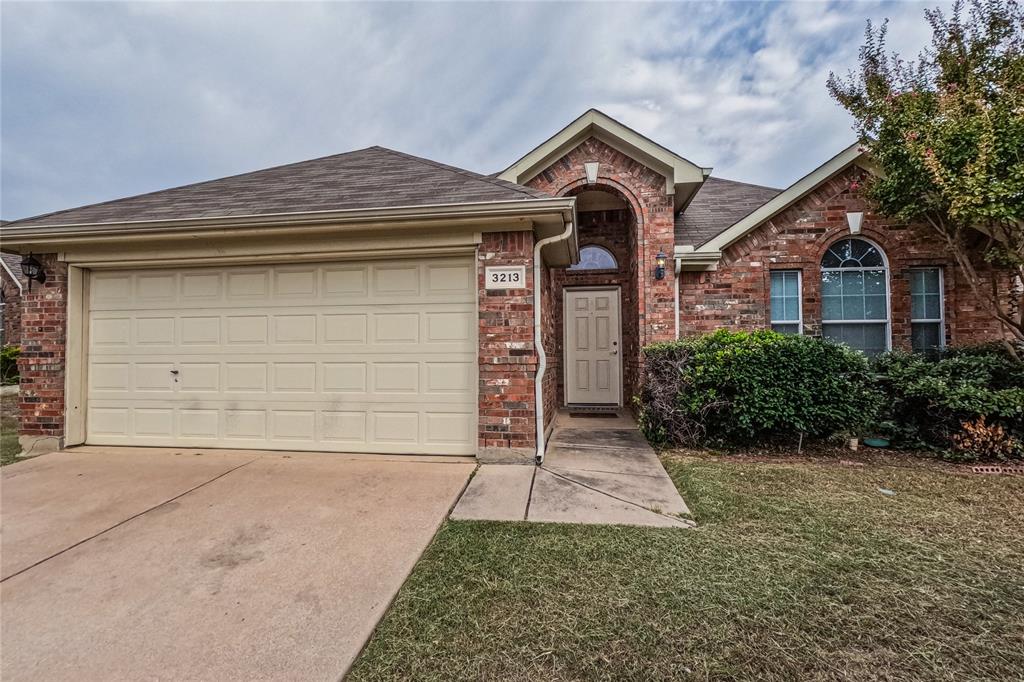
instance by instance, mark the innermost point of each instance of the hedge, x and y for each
(747, 387)
(741, 388)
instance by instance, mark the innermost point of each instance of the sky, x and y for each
(106, 100)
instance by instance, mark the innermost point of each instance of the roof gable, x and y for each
(798, 190)
(368, 178)
(677, 171)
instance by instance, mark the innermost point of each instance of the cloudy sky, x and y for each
(99, 101)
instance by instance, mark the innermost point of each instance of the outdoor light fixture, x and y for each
(659, 267)
(32, 269)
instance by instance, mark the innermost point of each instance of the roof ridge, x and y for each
(186, 185)
(462, 171)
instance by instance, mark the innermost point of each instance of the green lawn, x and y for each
(798, 571)
(9, 447)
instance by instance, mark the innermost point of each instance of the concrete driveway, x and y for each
(124, 563)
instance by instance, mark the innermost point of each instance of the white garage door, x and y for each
(344, 357)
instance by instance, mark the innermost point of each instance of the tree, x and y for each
(947, 133)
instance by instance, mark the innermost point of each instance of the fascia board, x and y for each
(787, 198)
(564, 206)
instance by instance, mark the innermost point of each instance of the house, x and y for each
(10, 299)
(378, 302)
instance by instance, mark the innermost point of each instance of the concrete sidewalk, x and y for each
(597, 470)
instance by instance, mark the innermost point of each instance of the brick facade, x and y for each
(507, 361)
(41, 364)
(11, 310)
(736, 295)
(634, 236)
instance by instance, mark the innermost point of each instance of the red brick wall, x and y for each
(508, 362)
(12, 310)
(736, 296)
(648, 305)
(552, 344)
(41, 364)
(614, 230)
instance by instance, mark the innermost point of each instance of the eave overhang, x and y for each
(682, 177)
(544, 216)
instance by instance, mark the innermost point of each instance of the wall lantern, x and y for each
(659, 267)
(33, 270)
(854, 220)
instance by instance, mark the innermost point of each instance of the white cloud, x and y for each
(101, 100)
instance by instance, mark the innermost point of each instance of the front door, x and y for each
(592, 357)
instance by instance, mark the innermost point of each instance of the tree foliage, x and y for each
(947, 132)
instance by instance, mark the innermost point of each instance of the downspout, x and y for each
(679, 268)
(542, 358)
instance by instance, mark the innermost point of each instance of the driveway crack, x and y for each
(130, 518)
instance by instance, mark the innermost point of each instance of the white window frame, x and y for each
(888, 290)
(605, 249)
(799, 300)
(942, 305)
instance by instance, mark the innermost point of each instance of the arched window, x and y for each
(595, 257)
(855, 295)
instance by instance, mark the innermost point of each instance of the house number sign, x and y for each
(505, 277)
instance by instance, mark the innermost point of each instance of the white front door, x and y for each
(592, 346)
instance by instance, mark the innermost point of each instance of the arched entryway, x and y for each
(595, 302)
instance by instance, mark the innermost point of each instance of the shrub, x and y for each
(979, 440)
(9, 364)
(932, 399)
(741, 387)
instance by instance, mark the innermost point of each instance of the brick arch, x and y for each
(609, 185)
(869, 235)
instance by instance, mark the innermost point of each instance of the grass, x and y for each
(9, 447)
(797, 571)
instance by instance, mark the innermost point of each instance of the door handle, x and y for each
(614, 352)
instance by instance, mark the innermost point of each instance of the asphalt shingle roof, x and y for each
(368, 178)
(719, 204)
(12, 261)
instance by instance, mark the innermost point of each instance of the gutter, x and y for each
(679, 268)
(30, 233)
(542, 358)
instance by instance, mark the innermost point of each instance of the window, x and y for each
(855, 295)
(785, 302)
(927, 333)
(595, 258)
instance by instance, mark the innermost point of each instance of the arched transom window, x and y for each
(855, 295)
(595, 257)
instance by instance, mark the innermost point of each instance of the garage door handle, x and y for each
(174, 372)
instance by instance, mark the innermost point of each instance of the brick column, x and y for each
(41, 364)
(507, 360)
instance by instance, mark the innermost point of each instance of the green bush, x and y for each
(9, 364)
(930, 399)
(744, 387)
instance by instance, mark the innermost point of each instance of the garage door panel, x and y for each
(375, 357)
(443, 281)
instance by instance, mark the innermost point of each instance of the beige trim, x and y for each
(679, 173)
(790, 196)
(16, 236)
(74, 357)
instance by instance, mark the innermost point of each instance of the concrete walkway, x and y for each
(597, 470)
